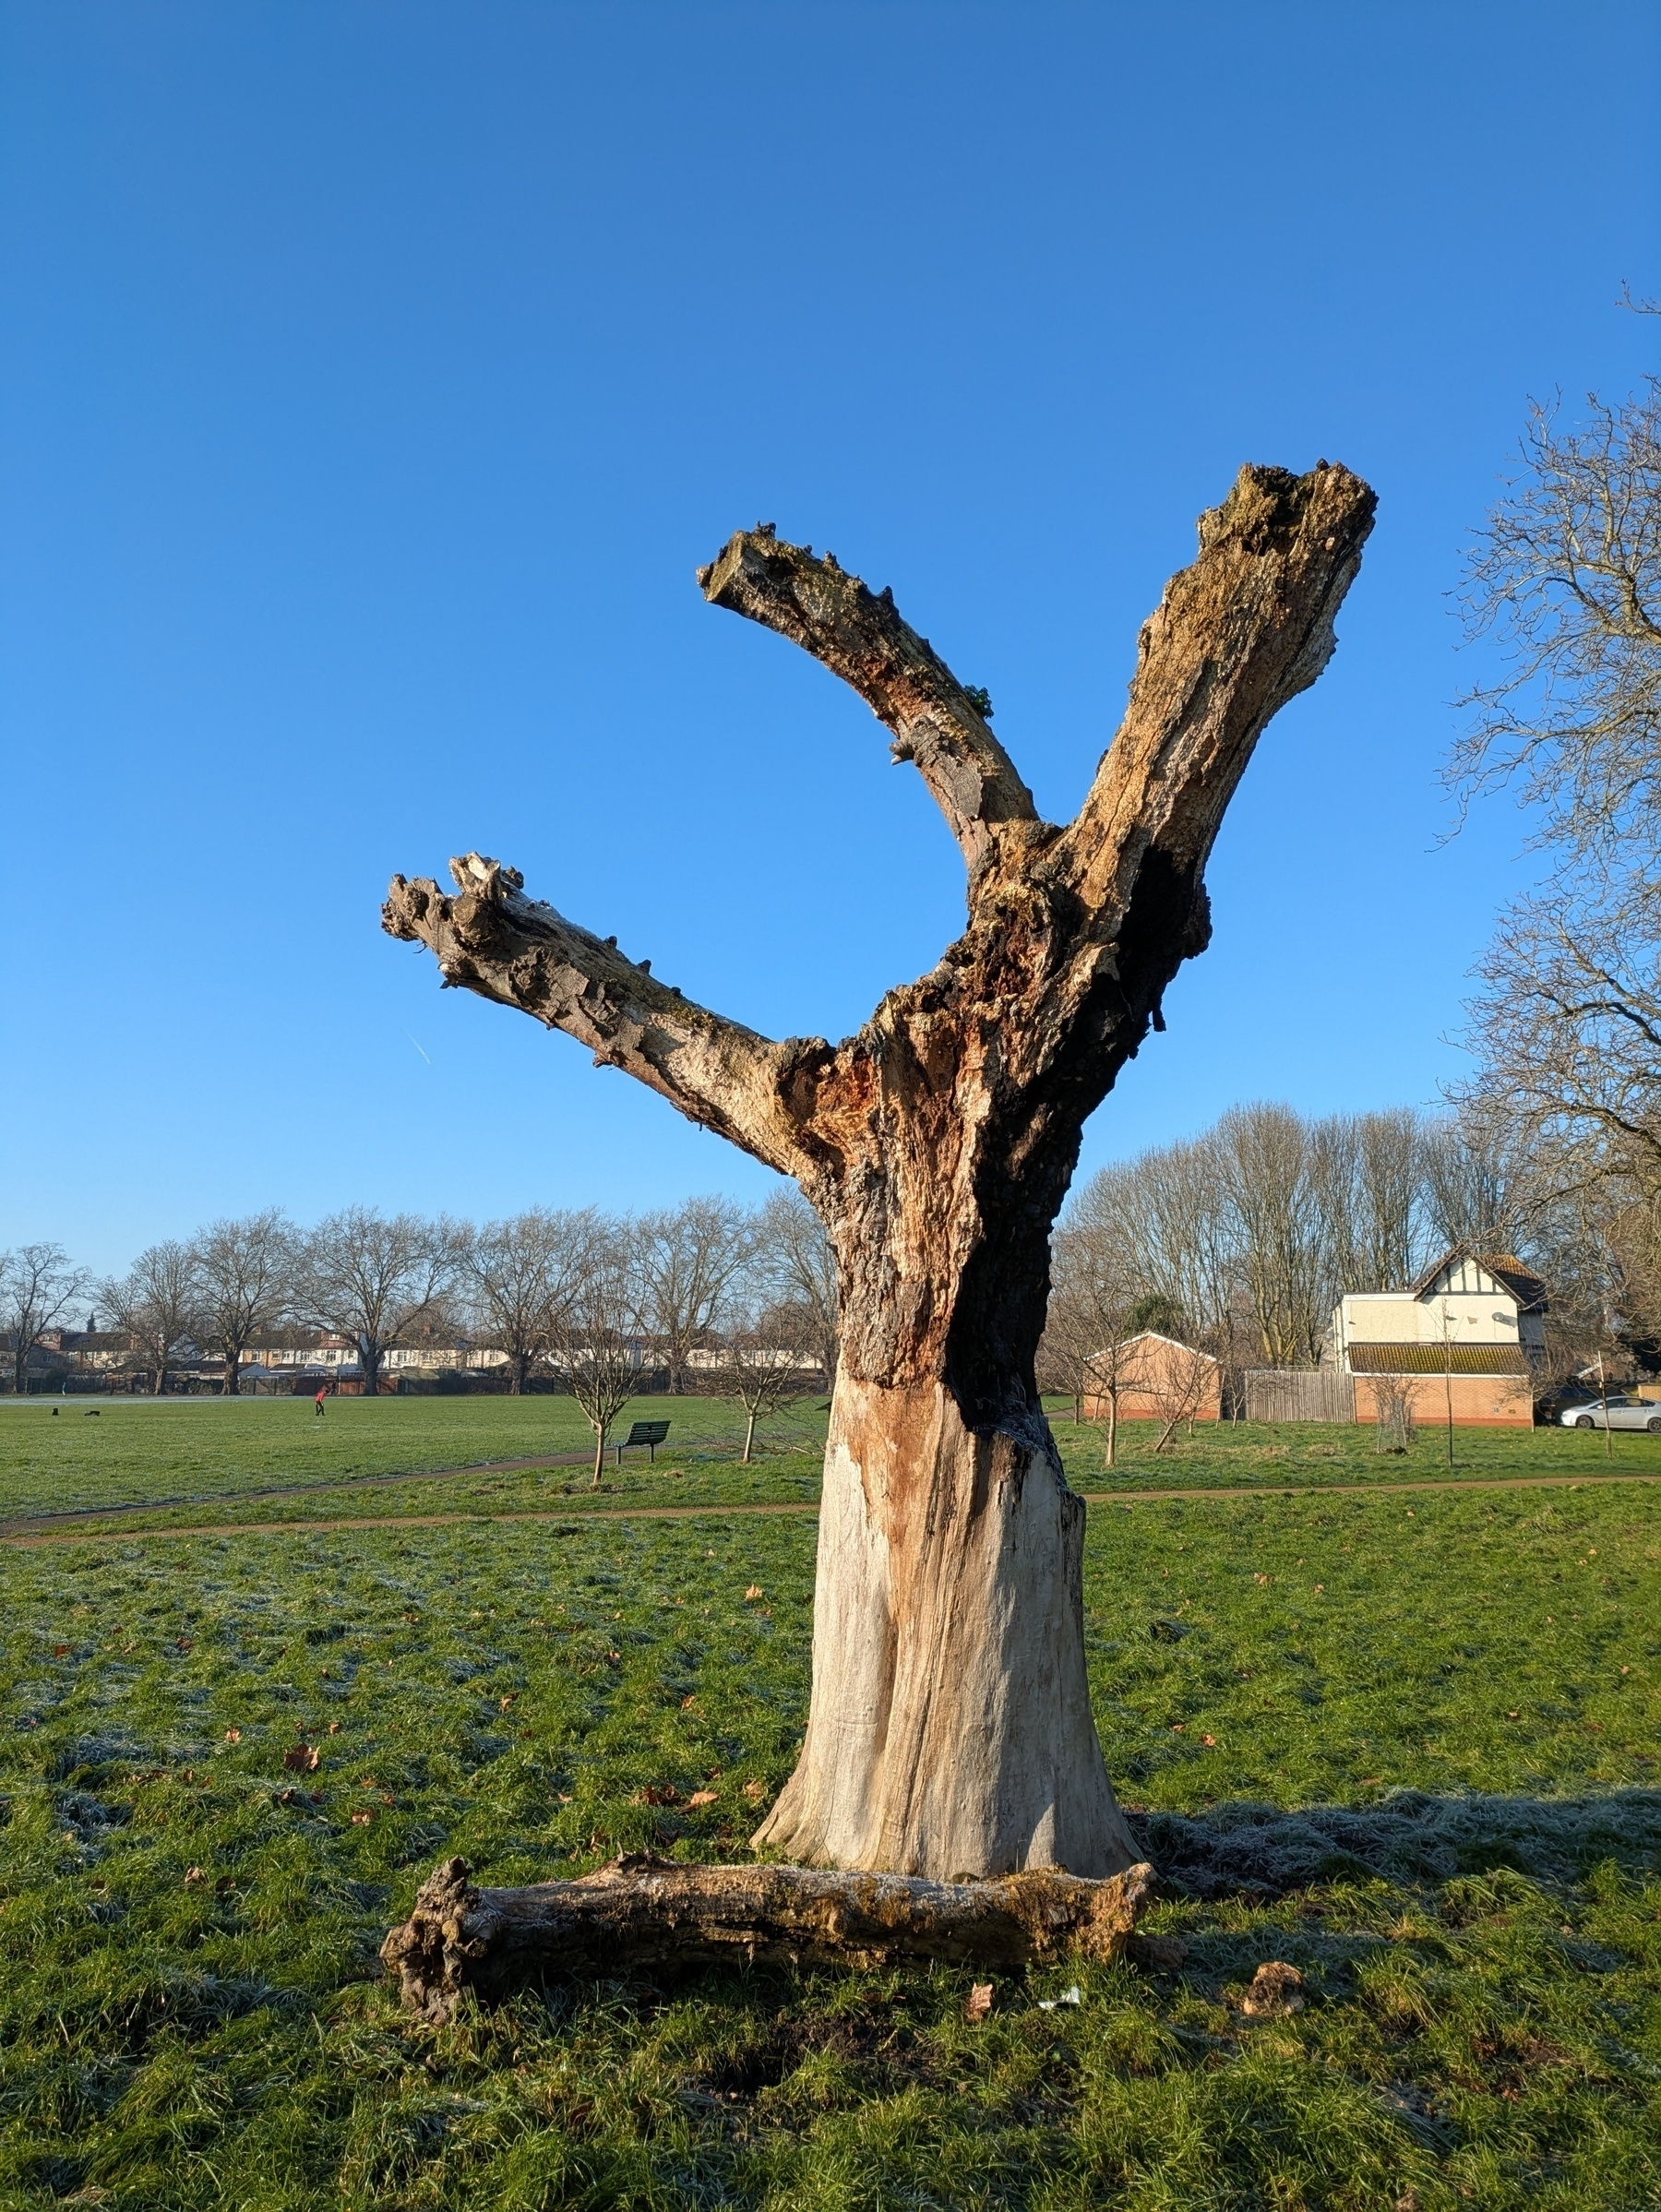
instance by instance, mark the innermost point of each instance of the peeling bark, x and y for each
(645, 1912)
(951, 1730)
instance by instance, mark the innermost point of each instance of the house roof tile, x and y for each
(1438, 1359)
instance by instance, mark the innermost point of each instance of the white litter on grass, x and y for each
(1072, 1996)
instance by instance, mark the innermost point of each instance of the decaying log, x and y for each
(949, 1730)
(646, 1912)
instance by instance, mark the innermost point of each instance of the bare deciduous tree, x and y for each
(1567, 581)
(158, 1304)
(1273, 1172)
(38, 1286)
(760, 1369)
(949, 1726)
(794, 1257)
(687, 1257)
(1086, 1328)
(1394, 1420)
(1176, 1379)
(245, 1272)
(521, 1276)
(372, 1277)
(1373, 1198)
(598, 1345)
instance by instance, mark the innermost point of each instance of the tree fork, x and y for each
(645, 1912)
(949, 1730)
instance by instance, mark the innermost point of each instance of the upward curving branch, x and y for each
(1242, 631)
(858, 634)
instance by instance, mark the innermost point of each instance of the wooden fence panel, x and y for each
(1299, 1394)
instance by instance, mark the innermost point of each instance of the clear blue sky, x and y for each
(374, 376)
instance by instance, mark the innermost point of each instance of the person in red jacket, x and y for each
(318, 1401)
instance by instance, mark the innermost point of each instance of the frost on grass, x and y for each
(1408, 1837)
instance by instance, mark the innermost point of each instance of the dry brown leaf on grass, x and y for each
(302, 1758)
(702, 1796)
(233, 1735)
(658, 1793)
(754, 1791)
(362, 1820)
(980, 2002)
(755, 1590)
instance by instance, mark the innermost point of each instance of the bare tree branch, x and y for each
(1567, 580)
(859, 636)
(1237, 634)
(490, 939)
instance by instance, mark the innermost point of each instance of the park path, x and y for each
(23, 1536)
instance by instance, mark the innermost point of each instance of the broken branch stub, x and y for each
(646, 1912)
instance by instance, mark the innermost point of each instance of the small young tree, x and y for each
(243, 1272)
(762, 1372)
(372, 1277)
(1395, 1425)
(1086, 1325)
(598, 1345)
(38, 1285)
(1176, 1378)
(520, 1277)
(158, 1304)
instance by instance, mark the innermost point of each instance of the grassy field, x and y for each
(1407, 1743)
(214, 1455)
(1235, 1456)
(213, 1458)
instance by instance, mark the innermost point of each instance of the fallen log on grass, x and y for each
(646, 1912)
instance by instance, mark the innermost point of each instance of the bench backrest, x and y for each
(647, 1432)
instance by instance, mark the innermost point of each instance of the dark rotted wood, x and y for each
(641, 1911)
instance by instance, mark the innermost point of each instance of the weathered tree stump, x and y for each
(641, 1911)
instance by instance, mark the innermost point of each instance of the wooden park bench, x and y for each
(650, 1433)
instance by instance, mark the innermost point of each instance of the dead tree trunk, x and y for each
(641, 1911)
(949, 1731)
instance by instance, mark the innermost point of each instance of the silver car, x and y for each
(1614, 1413)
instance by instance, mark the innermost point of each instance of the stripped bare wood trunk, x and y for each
(646, 1912)
(949, 1731)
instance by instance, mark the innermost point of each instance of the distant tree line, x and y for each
(708, 1294)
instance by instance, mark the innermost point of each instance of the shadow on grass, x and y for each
(1261, 1851)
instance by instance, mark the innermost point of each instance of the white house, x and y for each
(1472, 1326)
